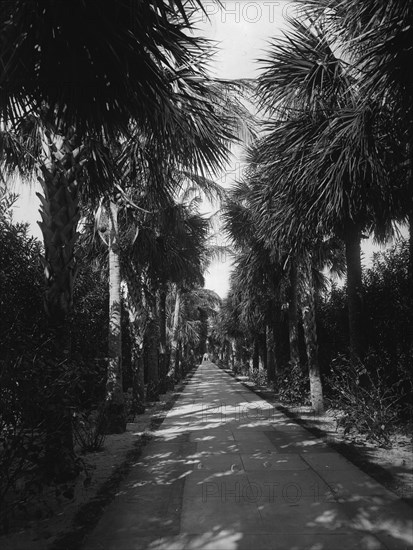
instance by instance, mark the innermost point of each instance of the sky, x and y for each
(242, 29)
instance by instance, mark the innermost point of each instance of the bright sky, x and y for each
(242, 29)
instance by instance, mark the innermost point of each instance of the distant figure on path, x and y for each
(205, 359)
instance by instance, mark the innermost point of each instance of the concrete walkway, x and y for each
(227, 471)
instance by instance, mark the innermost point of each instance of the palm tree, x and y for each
(150, 170)
(258, 273)
(188, 312)
(378, 37)
(139, 64)
(294, 264)
(108, 227)
(324, 150)
(97, 78)
(293, 313)
(172, 248)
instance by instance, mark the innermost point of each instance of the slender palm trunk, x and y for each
(293, 316)
(162, 339)
(354, 293)
(411, 247)
(410, 214)
(270, 355)
(410, 219)
(153, 357)
(256, 354)
(233, 351)
(410, 275)
(174, 341)
(115, 405)
(133, 304)
(60, 215)
(310, 335)
(203, 332)
(277, 329)
(263, 350)
(138, 383)
(178, 362)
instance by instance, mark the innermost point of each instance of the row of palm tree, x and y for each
(333, 162)
(117, 115)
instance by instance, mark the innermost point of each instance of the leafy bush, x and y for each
(367, 400)
(293, 386)
(259, 377)
(88, 430)
(21, 452)
(241, 369)
(38, 390)
(31, 391)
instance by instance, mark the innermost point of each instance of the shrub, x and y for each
(259, 377)
(293, 386)
(368, 401)
(88, 430)
(241, 369)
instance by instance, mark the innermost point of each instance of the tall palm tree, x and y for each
(172, 248)
(379, 38)
(293, 266)
(108, 228)
(138, 62)
(324, 150)
(188, 310)
(258, 273)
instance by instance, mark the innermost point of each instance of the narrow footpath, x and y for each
(226, 471)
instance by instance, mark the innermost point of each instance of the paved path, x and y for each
(227, 471)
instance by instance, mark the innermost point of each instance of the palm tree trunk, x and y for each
(174, 341)
(410, 213)
(293, 316)
(60, 215)
(203, 332)
(138, 383)
(278, 334)
(354, 293)
(233, 352)
(59, 210)
(132, 303)
(256, 354)
(115, 404)
(270, 355)
(153, 358)
(162, 339)
(410, 273)
(263, 350)
(410, 221)
(310, 335)
(178, 362)
(411, 247)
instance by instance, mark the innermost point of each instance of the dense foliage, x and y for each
(331, 167)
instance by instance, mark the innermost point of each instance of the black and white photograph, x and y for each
(206, 275)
